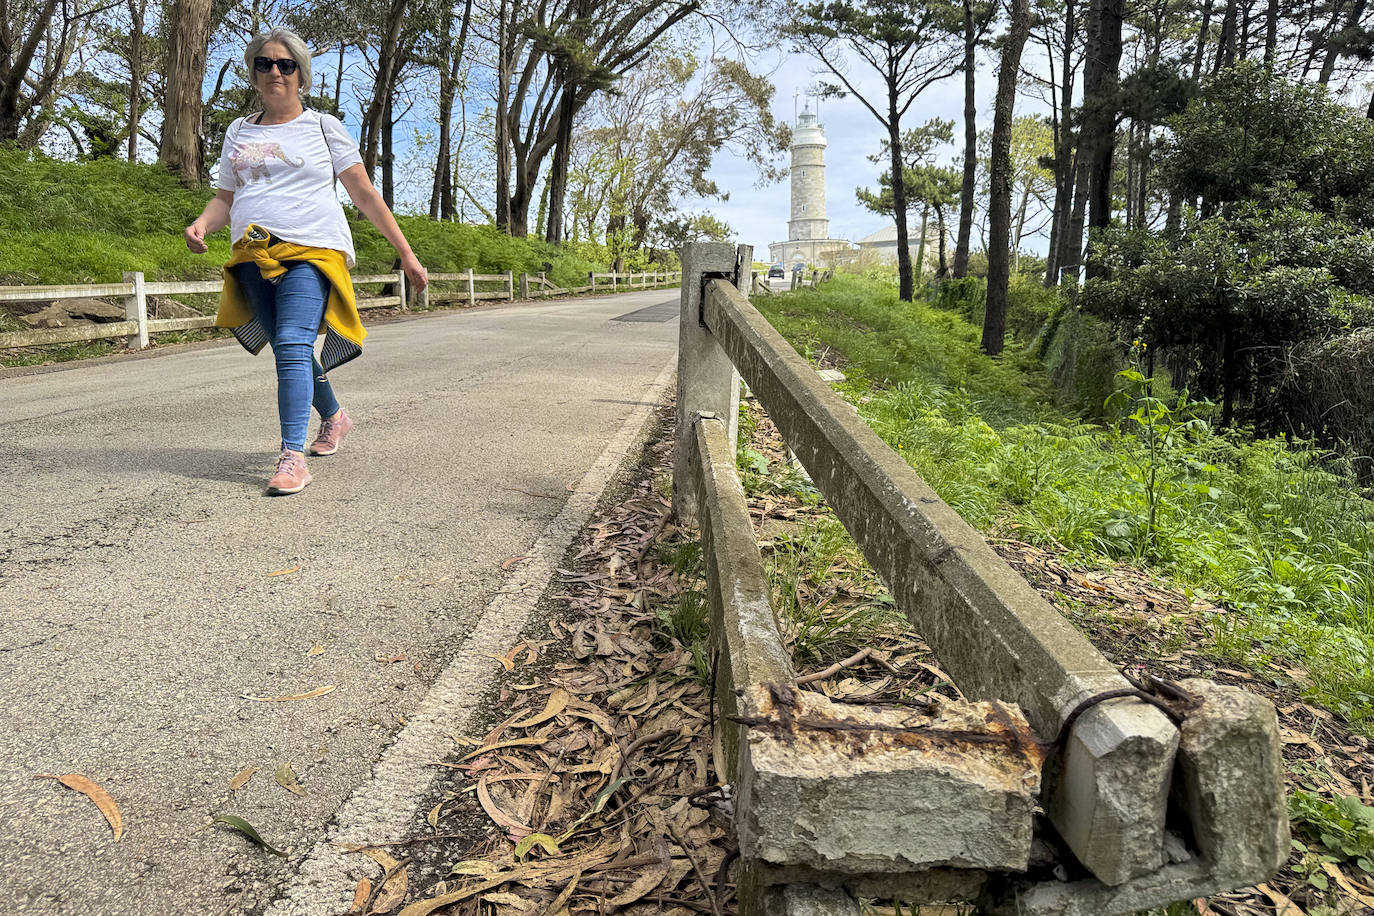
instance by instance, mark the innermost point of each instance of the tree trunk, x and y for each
(1201, 39)
(1226, 41)
(388, 158)
(135, 74)
(1020, 228)
(189, 38)
(1334, 46)
(1103, 114)
(1063, 155)
(961, 244)
(338, 79)
(441, 202)
(921, 245)
(942, 270)
(558, 169)
(383, 85)
(999, 181)
(502, 130)
(1271, 32)
(443, 63)
(905, 287)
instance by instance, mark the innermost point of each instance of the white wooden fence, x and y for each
(135, 290)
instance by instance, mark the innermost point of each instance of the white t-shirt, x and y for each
(282, 176)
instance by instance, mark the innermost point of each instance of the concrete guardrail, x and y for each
(1154, 796)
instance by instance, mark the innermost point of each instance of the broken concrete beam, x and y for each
(761, 899)
(745, 643)
(807, 900)
(931, 886)
(1114, 745)
(1232, 788)
(854, 790)
(1185, 881)
(990, 629)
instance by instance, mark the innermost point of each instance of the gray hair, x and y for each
(294, 46)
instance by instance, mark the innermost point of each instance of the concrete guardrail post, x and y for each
(591, 281)
(136, 309)
(472, 289)
(524, 286)
(510, 286)
(707, 381)
(424, 298)
(401, 290)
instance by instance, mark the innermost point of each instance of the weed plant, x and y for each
(1276, 533)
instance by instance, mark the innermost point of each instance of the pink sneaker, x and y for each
(291, 475)
(332, 432)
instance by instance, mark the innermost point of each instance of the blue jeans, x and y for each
(290, 311)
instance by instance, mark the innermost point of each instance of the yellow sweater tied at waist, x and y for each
(343, 329)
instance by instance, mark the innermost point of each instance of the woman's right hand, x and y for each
(195, 238)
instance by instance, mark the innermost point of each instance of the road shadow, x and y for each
(218, 464)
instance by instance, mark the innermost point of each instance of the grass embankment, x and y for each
(88, 222)
(1274, 534)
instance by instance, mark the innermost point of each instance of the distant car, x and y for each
(798, 267)
(776, 271)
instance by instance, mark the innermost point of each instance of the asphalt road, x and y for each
(137, 554)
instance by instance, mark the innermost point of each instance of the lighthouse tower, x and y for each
(808, 181)
(808, 229)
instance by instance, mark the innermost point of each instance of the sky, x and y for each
(759, 215)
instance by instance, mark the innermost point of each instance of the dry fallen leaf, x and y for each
(360, 896)
(1282, 905)
(495, 813)
(95, 793)
(316, 649)
(1339, 877)
(241, 778)
(286, 778)
(317, 692)
(284, 572)
(395, 888)
(558, 701)
(425, 907)
(505, 662)
(650, 877)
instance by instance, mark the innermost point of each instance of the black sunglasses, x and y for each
(286, 65)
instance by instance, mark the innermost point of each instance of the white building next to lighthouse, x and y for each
(808, 231)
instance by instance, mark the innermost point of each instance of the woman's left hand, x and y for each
(417, 278)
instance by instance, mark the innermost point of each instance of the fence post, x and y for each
(591, 281)
(472, 289)
(524, 285)
(510, 286)
(136, 309)
(424, 298)
(401, 288)
(707, 381)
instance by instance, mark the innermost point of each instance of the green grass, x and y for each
(1275, 532)
(88, 222)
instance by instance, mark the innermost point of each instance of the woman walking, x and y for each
(288, 276)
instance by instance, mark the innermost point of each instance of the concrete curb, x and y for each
(384, 808)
